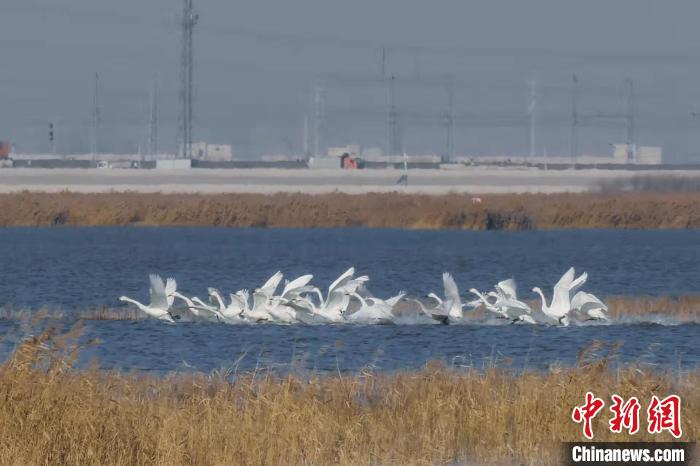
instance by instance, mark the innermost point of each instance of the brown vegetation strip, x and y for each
(53, 414)
(494, 212)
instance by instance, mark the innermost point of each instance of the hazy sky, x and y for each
(257, 63)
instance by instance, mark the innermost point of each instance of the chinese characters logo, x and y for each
(661, 415)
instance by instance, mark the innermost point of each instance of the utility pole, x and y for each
(153, 121)
(394, 136)
(631, 146)
(95, 119)
(383, 63)
(318, 120)
(52, 140)
(189, 21)
(305, 138)
(574, 120)
(448, 123)
(532, 111)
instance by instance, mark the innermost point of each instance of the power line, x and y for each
(294, 40)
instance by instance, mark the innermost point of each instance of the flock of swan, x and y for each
(348, 301)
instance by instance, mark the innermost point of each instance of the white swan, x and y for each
(334, 306)
(281, 311)
(265, 303)
(434, 315)
(590, 305)
(199, 310)
(560, 306)
(270, 286)
(252, 314)
(268, 307)
(231, 313)
(506, 303)
(482, 300)
(525, 318)
(160, 296)
(374, 310)
(295, 288)
(450, 309)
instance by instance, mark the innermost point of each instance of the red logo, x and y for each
(587, 412)
(662, 415)
(665, 415)
(625, 415)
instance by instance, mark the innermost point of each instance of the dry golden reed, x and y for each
(393, 210)
(51, 413)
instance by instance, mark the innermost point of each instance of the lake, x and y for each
(84, 268)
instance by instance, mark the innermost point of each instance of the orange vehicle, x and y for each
(4, 150)
(351, 163)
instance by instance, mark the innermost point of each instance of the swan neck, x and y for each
(219, 299)
(187, 300)
(321, 301)
(133, 301)
(362, 300)
(544, 300)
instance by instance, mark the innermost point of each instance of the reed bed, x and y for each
(682, 309)
(52, 413)
(639, 210)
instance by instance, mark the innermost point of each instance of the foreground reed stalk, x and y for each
(51, 413)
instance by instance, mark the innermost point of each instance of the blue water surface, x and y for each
(82, 268)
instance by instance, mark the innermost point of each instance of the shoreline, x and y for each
(509, 212)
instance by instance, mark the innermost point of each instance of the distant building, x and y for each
(641, 155)
(372, 152)
(622, 155)
(212, 152)
(272, 158)
(351, 149)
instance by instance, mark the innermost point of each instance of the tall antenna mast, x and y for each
(153, 121)
(574, 119)
(532, 110)
(393, 117)
(631, 146)
(189, 21)
(448, 122)
(305, 149)
(383, 63)
(52, 138)
(95, 119)
(318, 120)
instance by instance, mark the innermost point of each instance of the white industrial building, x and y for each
(212, 152)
